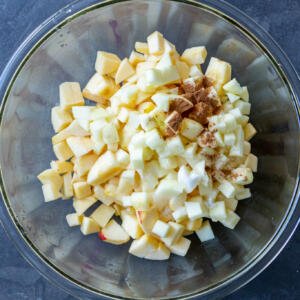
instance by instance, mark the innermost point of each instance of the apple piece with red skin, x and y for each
(113, 233)
(147, 219)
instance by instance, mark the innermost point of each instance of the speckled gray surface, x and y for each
(281, 280)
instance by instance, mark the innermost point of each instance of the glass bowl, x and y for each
(63, 49)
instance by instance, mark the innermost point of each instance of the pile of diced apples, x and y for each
(114, 155)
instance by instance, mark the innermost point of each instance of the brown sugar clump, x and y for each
(172, 123)
(207, 139)
(201, 112)
(180, 104)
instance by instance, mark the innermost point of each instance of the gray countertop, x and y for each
(281, 280)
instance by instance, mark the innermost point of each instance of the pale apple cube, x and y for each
(243, 194)
(61, 166)
(70, 95)
(243, 106)
(110, 134)
(50, 192)
(249, 131)
(205, 233)
(165, 62)
(199, 168)
(123, 115)
(175, 232)
(80, 145)
(113, 233)
(126, 201)
(102, 214)
(52, 177)
(150, 80)
(194, 55)
(231, 203)
(89, 226)
(101, 195)
(232, 98)
(155, 43)
(60, 118)
(221, 161)
(195, 210)
(219, 139)
(174, 146)
(181, 247)
(161, 229)
(188, 180)
(81, 205)
(180, 214)
(106, 63)
(62, 151)
(233, 87)
(190, 128)
(169, 75)
(229, 139)
(84, 163)
(147, 122)
(217, 211)
(74, 219)
(82, 189)
(141, 200)
(137, 158)
(136, 58)
(126, 182)
(141, 68)
(125, 70)
(243, 120)
(127, 95)
(227, 189)
(169, 47)
(231, 220)
(195, 72)
(242, 176)
(219, 71)
(165, 190)
(154, 141)
(183, 69)
(104, 169)
(141, 47)
(245, 94)
(144, 246)
(251, 162)
(162, 101)
(138, 140)
(193, 225)
(230, 122)
(131, 225)
(168, 163)
(67, 185)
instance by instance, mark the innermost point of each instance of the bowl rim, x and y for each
(249, 28)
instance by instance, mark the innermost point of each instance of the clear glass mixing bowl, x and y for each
(63, 49)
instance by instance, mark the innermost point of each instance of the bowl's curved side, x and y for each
(249, 28)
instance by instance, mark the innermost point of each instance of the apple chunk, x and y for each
(113, 233)
(104, 168)
(103, 214)
(89, 226)
(131, 224)
(147, 219)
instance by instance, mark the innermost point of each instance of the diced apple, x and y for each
(147, 219)
(67, 185)
(80, 145)
(141, 47)
(231, 220)
(62, 151)
(124, 71)
(242, 176)
(231, 203)
(82, 189)
(131, 225)
(219, 71)
(89, 226)
(251, 162)
(84, 163)
(104, 168)
(196, 210)
(110, 134)
(229, 139)
(141, 201)
(161, 253)
(174, 146)
(175, 232)
(193, 225)
(113, 233)
(74, 219)
(136, 58)
(180, 214)
(127, 95)
(233, 87)
(227, 189)
(181, 246)
(217, 211)
(123, 115)
(190, 128)
(161, 229)
(155, 43)
(137, 158)
(61, 166)
(60, 118)
(100, 88)
(195, 72)
(70, 95)
(102, 214)
(188, 180)
(162, 101)
(100, 194)
(194, 55)
(232, 98)
(106, 63)
(144, 246)
(52, 177)
(243, 194)
(154, 140)
(74, 129)
(81, 205)
(205, 233)
(50, 192)
(142, 67)
(249, 131)
(245, 94)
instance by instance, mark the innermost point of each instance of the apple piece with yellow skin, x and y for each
(113, 233)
